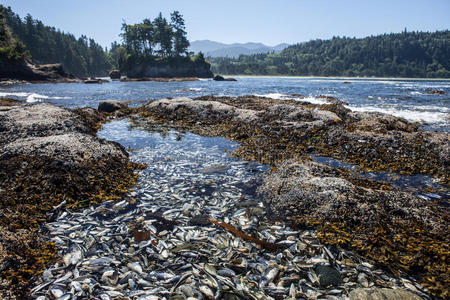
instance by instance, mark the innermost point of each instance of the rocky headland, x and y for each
(50, 157)
(27, 71)
(176, 67)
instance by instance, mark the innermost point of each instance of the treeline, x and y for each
(156, 38)
(406, 54)
(10, 48)
(81, 57)
(158, 48)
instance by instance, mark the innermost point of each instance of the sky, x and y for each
(268, 21)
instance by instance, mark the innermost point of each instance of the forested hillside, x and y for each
(10, 49)
(81, 57)
(407, 54)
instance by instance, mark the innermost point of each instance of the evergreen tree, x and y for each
(10, 48)
(163, 35)
(406, 54)
(82, 57)
(180, 41)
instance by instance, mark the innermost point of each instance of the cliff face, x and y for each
(174, 68)
(26, 70)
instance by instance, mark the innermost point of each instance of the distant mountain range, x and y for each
(216, 49)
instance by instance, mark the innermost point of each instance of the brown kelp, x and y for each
(46, 162)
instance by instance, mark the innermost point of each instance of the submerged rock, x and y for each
(435, 92)
(382, 294)
(110, 105)
(328, 276)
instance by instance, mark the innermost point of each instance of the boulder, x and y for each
(435, 92)
(95, 80)
(328, 276)
(382, 294)
(221, 78)
(313, 190)
(110, 105)
(114, 74)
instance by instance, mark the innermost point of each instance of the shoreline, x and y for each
(244, 118)
(341, 78)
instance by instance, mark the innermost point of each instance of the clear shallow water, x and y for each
(402, 98)
(416, 184)
(187, 160)
(187, 164)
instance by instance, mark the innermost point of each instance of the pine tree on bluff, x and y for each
(163, 36)
(181, 42)
(157, 38)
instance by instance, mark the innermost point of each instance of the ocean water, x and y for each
(402, 98)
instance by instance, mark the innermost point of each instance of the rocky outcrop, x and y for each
(160, 79)
(273, 130)
(95, 80)
(221, 78)
(114, 74)
(110, 105)
(175, 67)
(382, 294)
(49, 157)
(28, 71)
(312, 190)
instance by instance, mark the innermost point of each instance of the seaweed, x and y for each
(30, 189)
(396, 243)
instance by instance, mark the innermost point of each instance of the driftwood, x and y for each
(231, 228)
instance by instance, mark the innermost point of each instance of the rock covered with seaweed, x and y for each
(396, 229)
(399, 230)
(49, 156)
(271, 131)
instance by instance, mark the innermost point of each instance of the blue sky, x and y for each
(267, 21)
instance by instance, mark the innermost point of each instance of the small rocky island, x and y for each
(172, 60)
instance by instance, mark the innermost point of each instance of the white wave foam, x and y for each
(29, 97)
(416, 93)
(278, 96)
(408, 114)
(14, 94)
(191, 90)
(33, 97)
